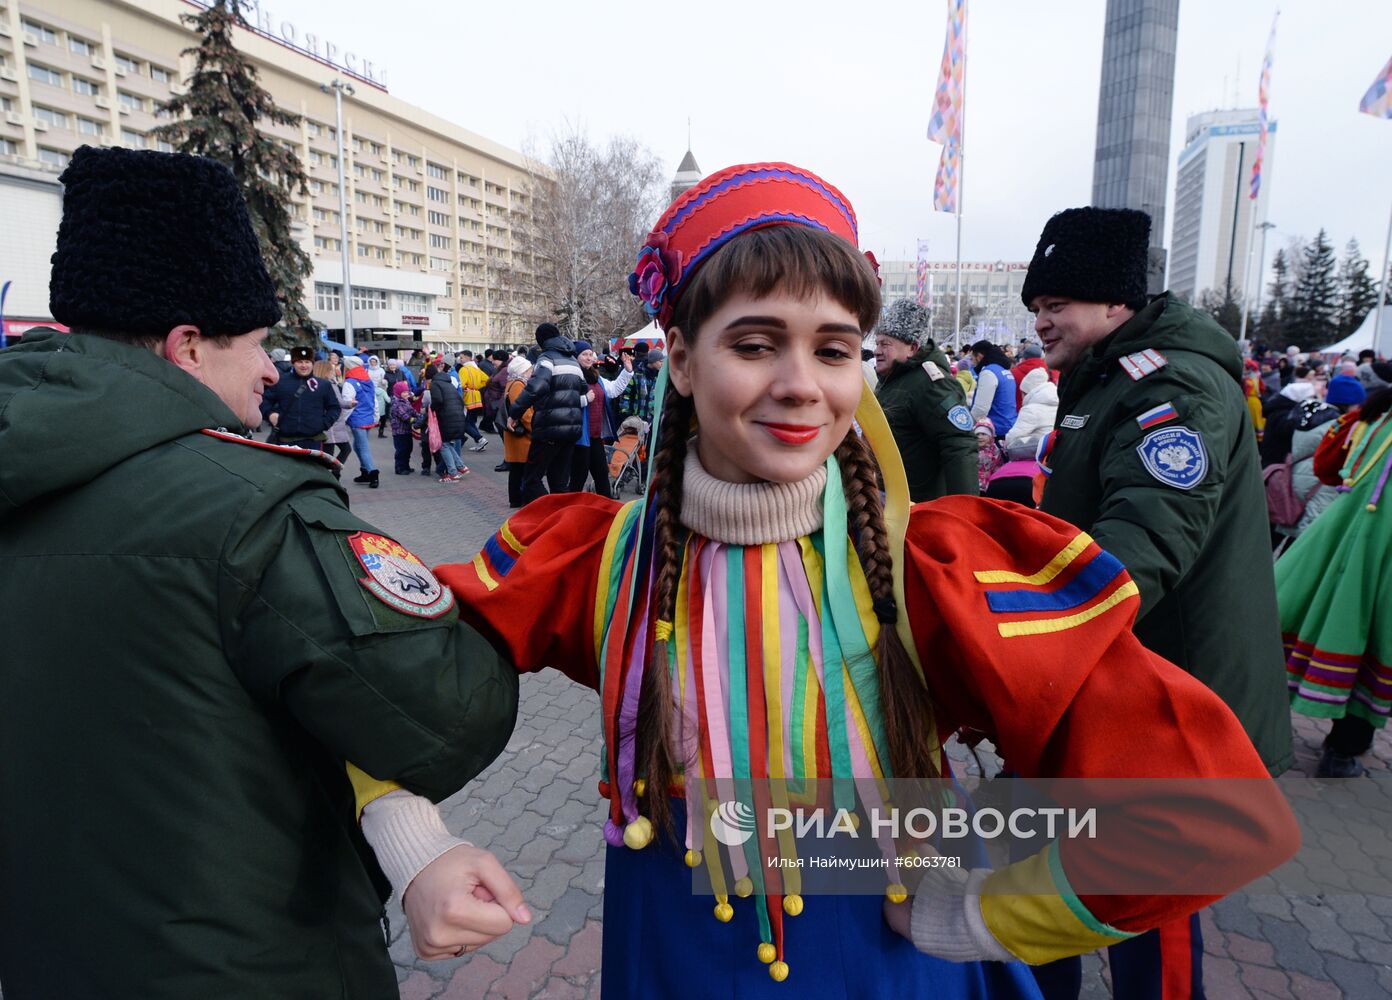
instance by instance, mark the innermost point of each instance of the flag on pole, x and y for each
(923, 297)
(1263, 97)
(1378, 100)
(945, 126)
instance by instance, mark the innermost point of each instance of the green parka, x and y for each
(1177, 496)
(191, 653)
(921, 400)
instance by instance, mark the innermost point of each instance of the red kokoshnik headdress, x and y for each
(722, 206)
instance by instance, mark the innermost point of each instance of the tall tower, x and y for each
(688, 175)
(1132, 156)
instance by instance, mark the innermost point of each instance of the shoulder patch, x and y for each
(321, 456)
(1143, 363)
(1158, 415)
(960, 417)
(934, 372)
(397, 578)
(1176, 456)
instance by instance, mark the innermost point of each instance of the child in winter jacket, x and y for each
(401, 415)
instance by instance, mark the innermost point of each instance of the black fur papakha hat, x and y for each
(1093, 255)
(150, 241)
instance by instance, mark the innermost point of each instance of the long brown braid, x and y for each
(908, 708)
(653, 750)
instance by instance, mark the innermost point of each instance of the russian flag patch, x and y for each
(1158, 415)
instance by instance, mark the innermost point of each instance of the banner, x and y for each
(1263, 97)
(945, 126)
(1378, 100)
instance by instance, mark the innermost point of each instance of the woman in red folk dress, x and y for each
(763, 617)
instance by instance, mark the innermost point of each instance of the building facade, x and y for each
(1132, 157)
(1213, 215)
(993, 288)
(433, 209)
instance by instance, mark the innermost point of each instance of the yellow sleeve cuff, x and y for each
(1034, 913)
(366, 787)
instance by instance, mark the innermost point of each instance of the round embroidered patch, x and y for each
(961, 418)
(1175, 456)
(398, 579)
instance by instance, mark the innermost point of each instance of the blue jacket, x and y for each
(1003, 409)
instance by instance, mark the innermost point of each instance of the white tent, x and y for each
(1362, 338)
(651, 334)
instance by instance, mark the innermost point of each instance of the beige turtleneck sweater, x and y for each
(749, 513)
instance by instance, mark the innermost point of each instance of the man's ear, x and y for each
(184, 347)
(678, 361)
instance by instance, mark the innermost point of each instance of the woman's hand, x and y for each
(460, 902)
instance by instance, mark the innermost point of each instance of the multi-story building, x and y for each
(1210, 245)
(993, 288)
(435, 212)
(1131, 161)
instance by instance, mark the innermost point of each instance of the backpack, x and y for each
(1284, 509)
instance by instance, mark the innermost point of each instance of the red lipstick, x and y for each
(792, 433)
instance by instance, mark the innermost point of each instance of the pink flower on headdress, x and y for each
(654, 276)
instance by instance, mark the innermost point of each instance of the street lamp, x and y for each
(340, 88)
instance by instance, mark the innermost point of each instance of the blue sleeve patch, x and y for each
(960, 417)
(1176, 456)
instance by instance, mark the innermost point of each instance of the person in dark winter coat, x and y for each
(1154, 455)
(444, 400)
(558, 392)
(230, 633)
(925, 406)
(301, 407)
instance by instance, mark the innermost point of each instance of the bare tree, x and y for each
(589, 210)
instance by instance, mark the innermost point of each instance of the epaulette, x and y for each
(226, 435)
(934, 372)
(1143, 363)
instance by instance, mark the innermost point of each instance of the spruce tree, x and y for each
(1276, 309)
(1357, 290)
(1315, 302)
(217, 117)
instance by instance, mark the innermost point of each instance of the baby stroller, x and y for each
(627, 456)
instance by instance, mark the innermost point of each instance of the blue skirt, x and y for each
(661, 941)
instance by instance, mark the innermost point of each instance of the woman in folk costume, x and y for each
(1334, 588)
(761, 614)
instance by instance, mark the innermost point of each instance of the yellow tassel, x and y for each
(792, 905)
(639, 833)
(662, 631)
(744, 888)
(724, 912)
(693, 859)
(778, 971)
(896, 893)
(640, 787)
(1372, 508)
(767, 953)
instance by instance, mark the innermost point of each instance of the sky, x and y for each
(844, 89)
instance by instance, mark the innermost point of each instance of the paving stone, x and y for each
(567, 915)
(1325, 933)
(1354, 916)
(1291, 944)
(472, 979)
(582, 955)
(529, 969)
(1305, 988)
(1248, 951)
(419, 986)
(556, 988)
(1220, 977)
(1358, 980)
(1258, 978)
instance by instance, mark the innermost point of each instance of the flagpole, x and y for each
(961, 184)
(1247, 272)
(1382, 286)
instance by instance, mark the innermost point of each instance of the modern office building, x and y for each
(1212, 214)
(1132, 157)
(994, 288)
(434, 209)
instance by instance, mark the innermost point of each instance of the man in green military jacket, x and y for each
(924, 405)
(200, 634)
(1154, 455)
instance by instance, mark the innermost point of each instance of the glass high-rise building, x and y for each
(1132, 157)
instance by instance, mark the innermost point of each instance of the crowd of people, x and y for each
(820, 581)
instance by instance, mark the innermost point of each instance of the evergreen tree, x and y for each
(1275, 310)
(217, 117)
(1315, 301)
(1357, 290)
(1224, 308)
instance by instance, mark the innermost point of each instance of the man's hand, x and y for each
(512, 425)
(628, 362)
(461, 901)
(274, 418)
